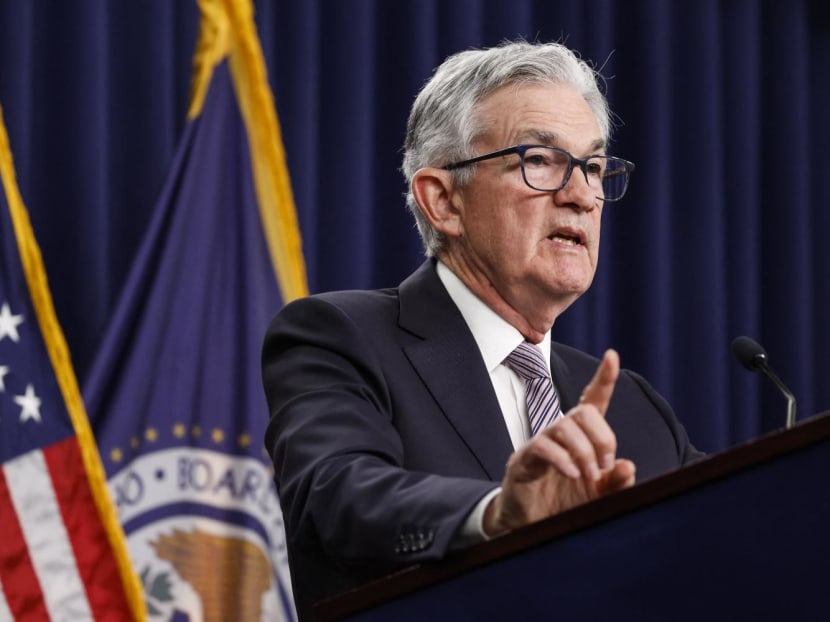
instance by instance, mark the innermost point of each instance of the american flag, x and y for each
(62, 552)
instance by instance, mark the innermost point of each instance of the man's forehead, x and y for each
(540, 113)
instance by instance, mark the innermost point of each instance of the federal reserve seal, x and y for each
(205, 532)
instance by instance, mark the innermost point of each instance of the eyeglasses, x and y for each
(548, 169)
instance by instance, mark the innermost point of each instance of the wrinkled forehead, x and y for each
(537, 113)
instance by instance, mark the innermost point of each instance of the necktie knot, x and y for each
(542, 401)
(528, 362)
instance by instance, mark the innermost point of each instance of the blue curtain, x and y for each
(722, 104)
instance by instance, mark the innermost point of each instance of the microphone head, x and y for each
(750, 353)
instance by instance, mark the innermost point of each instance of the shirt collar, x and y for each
(495, 337)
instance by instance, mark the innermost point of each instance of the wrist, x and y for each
(491, 523)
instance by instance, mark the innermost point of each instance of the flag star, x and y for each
(4, 369)
(9, 323)
(29, 405)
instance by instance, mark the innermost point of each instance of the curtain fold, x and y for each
(721, 104)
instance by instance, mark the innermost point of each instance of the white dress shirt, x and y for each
(496, 339)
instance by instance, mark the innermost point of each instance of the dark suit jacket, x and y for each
(385, 429)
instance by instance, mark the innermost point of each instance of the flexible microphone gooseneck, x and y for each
(754, 358)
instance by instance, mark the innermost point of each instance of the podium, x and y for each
(741, 535)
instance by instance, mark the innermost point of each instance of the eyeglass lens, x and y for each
(546, 168)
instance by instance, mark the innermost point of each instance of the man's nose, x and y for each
(578, 193)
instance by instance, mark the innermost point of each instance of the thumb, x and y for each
(599, 391)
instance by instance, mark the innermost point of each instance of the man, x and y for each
(401, 424)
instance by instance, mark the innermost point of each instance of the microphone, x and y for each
(754, 358)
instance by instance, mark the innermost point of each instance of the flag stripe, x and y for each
(5, 612)
(20, 583)
(88, 538)
(33, 497)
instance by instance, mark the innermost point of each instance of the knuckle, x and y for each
(582, 414)
(582, 452)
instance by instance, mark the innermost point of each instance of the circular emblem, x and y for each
(205, 532)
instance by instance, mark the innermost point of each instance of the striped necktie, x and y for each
(542, 401)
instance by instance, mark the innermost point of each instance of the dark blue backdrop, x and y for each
(722, 104)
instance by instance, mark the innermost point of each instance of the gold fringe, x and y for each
(228, 29)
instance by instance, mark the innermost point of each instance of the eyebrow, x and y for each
(549, 138)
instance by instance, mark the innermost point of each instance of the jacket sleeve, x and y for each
(339, 462)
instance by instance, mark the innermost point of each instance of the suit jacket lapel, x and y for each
(447, 359)
(568, 394)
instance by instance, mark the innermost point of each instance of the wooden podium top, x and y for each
(764, 450)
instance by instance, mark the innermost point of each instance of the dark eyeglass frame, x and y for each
(521, 150)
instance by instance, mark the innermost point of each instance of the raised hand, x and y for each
(568, 463)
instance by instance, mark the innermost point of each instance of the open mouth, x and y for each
(568, 238)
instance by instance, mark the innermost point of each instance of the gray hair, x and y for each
(443, 124)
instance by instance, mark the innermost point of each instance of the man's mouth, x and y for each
(568, 238)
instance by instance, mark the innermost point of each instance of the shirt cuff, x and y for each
(472, 531)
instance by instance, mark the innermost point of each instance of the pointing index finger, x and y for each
(599, 391)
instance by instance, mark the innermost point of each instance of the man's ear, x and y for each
(436, 193)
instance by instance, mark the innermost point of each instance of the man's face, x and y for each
(534, 248)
